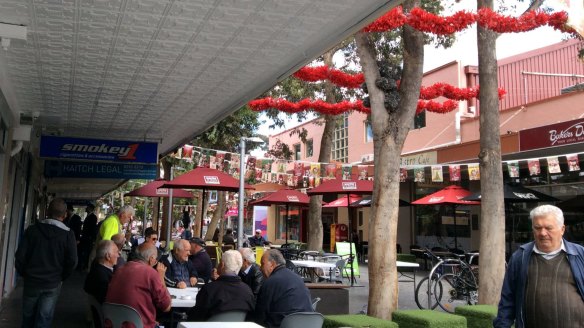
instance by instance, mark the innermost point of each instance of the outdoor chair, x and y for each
(95, 311)
(229, 316)
(120, 313)
(337, 276)
(302, 320)
(315, 302)
(299, 271)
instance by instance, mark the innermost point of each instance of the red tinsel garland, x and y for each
(338, 77)
(323, 107)
(431, 23)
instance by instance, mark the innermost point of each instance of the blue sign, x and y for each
(71, 169)
(99, 150)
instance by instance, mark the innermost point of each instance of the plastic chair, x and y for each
(120, 313)
(95, 311)
(229, 316)
(315, 302)
(302, 320)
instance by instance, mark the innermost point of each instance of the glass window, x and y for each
(340, 143)
(309, 148)
(297, 153)
(368, 132)
(293, 223)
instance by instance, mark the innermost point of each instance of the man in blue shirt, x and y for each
(180, 271)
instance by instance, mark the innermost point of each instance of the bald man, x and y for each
(180, 271)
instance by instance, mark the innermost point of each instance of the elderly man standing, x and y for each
(250, 272)
(113, 224)
(544, 283)
(137, 285)
(180, 273)
(46, 256)
(200, 259)
(102, 269)
(282, 293)
(227, 293)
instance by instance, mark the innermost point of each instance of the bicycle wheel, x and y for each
(421, 295)
(456, 292)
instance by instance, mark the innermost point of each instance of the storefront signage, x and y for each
(97, 149)
(211, 179)
(162, 191)
(293, 198)
(419, 159)
(559, 134)
(349, 186)
(72, 169)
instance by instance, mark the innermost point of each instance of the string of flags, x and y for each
(303, 174)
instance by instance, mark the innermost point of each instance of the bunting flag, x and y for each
(553, 165)
(437, 173)
(419, 175)
(474, 172)
(454, 172)
(403, 174)
(533, 165)
(363, 173)
(187, 152)
(331, 171)
(513, 169)
(573, 163)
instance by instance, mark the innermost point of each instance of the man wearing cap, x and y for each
(257, 239)
(200, 259)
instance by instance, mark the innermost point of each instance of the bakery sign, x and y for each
(559, 134)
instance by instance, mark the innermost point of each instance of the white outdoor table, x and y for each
(184, 297)
(218, 325)
(313, 265)
(402, 264)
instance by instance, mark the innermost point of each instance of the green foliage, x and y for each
(280, 150)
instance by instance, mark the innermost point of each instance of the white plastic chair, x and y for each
(120, 313)
(229, 316)
(302, 320)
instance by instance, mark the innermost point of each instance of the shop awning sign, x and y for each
(98, 150)
(74, 169)
(559, 134)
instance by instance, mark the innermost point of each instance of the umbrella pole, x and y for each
(169, 225)
(287, 224)
(145, 219)
(454, 216)
(202, 214)
(350, 241)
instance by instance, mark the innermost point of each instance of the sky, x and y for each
(465, 49)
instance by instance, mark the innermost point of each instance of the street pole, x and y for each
(169, 224)
(241, 191)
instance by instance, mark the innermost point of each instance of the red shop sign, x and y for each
(553, 135)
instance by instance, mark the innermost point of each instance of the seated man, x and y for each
(180, 272)
(150, 236)
(227, 293)
(102, 269)
(119, 239)
(282, 293)
(257, 239)
(250, 272)
(200, 259)
(138, 285)
(228, 238)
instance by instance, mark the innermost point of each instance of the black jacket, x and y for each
(97, 281)
(227, 293)
(89, 231)
(202, 263)
(254, 279)
(75, 225)
(47, 254)
(281, 294)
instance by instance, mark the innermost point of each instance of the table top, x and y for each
(186, 297)
(407, 264)
(313, 264)
(218, 325)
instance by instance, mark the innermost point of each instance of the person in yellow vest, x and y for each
(113, 224)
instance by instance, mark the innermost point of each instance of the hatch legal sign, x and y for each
(559, 134)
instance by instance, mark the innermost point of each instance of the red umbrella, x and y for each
(152, 189)
(342, 201)
(283, 197)
(452, 195)
(205, 178)
(348, 187)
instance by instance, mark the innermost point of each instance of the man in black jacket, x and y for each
(250, 272)
(46, 256)
(102, 269)
(227, 293)
(88, 235)
(200, 259)
(283, 292)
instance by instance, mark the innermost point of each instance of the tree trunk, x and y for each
(315, 230)
(166, 221)
(217, 215)
(389, 132)
(492, 227)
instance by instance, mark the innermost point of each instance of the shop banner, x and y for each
(559, 134)
(71, 169)
(99, 150)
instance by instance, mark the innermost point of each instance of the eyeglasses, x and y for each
(154, 238)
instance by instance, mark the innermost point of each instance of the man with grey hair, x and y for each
(544, 283)
(282, 293)
(114, 223)
(46, 256)
(119, 239)
(102, 269)
(227, 293)
(180, 273)
(137, 285)
(250, 272)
